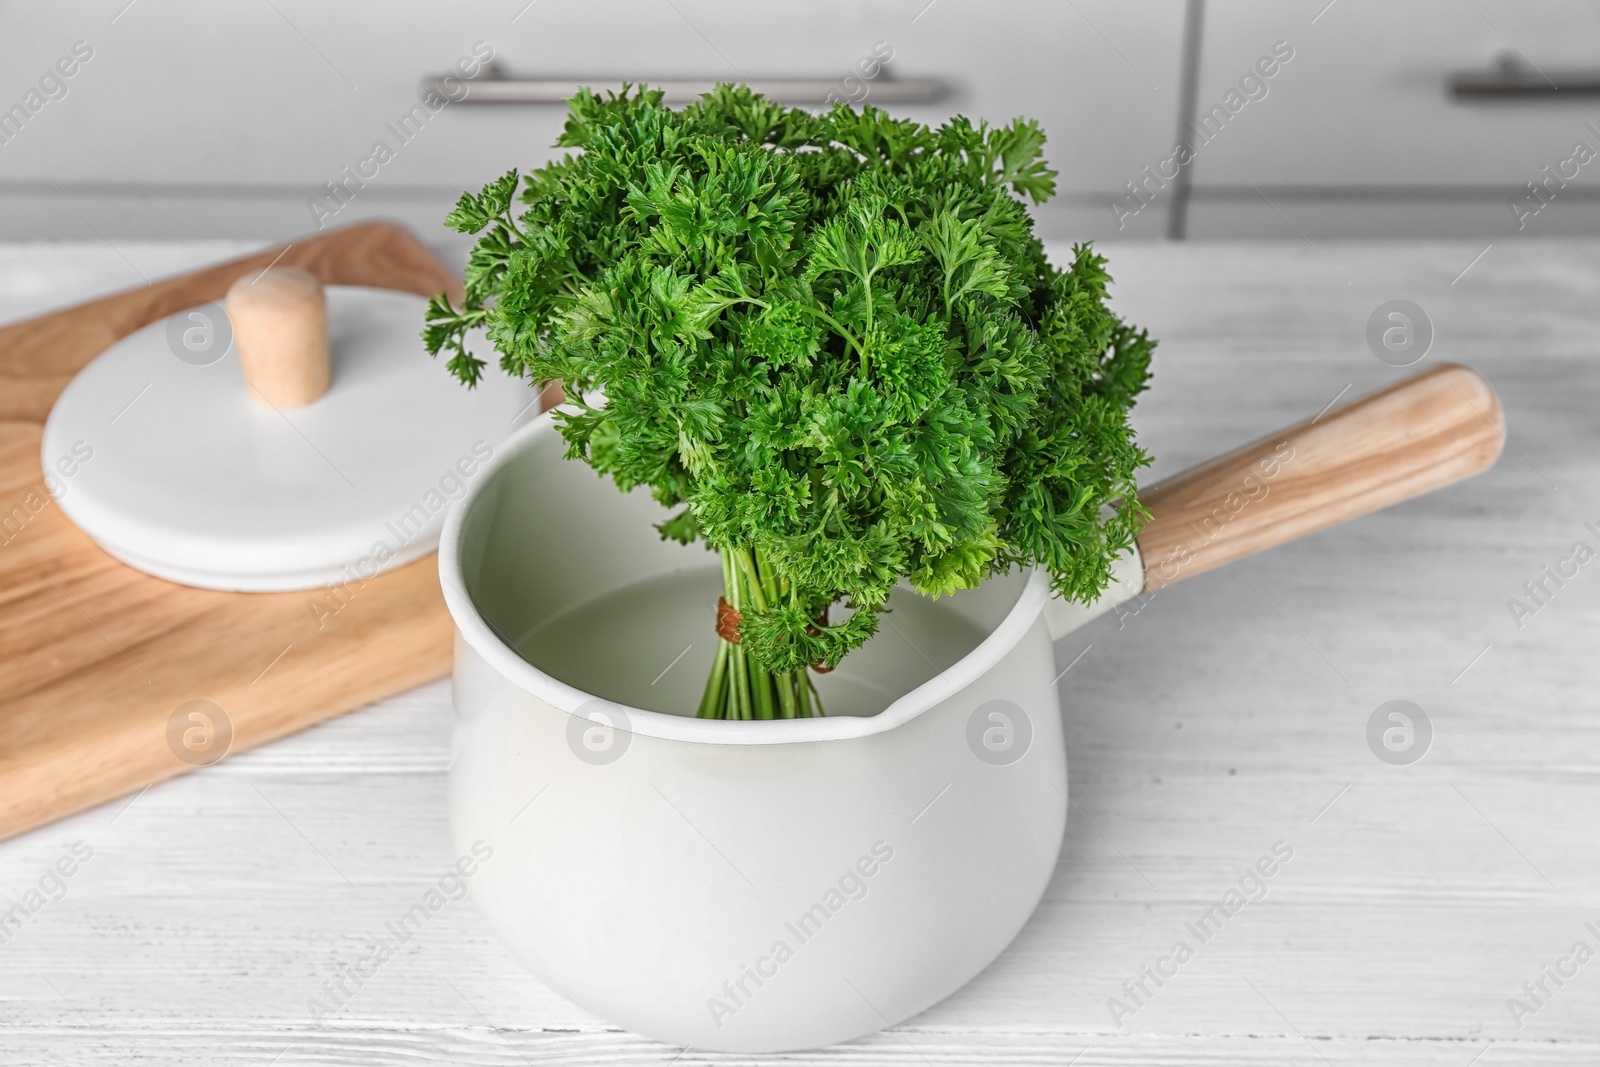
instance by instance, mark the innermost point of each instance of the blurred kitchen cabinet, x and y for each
(1359, 134)
(199, 119)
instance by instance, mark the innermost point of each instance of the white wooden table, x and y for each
(1228, 714)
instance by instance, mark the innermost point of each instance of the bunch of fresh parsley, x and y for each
(832, 340)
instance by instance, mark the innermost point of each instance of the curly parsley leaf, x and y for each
(832, 341)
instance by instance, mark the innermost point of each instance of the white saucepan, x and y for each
(778, 885)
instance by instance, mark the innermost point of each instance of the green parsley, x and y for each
(833, 341)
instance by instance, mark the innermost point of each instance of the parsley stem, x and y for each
(838, 328)
(740, 691)
(512, 222)
(740, 686)
(747, 571)
(761, 680)
(788, 703)
(711, 704)
(813, 698)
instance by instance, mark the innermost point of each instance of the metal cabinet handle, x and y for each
(1513, 78)
(495, 89)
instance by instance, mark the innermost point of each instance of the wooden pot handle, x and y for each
(1403, 441)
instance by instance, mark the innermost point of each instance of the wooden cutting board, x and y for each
(96, 658)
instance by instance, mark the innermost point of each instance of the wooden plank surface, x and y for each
(1218, 716)
(98, 658)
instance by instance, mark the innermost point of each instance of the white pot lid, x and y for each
(158, 452)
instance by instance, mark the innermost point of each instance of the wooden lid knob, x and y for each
(280, 329)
